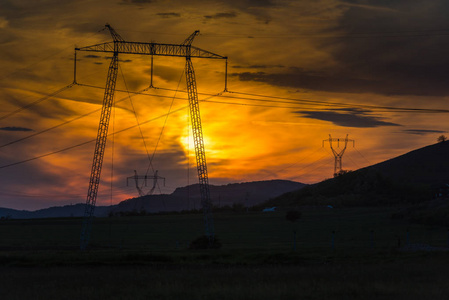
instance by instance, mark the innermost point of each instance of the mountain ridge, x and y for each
(245, 193)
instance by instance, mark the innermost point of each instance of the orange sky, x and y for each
(303, 57)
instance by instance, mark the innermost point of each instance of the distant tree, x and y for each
(238, 207)
(342, 172)
(442, 138)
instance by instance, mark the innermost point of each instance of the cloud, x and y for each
(169, 15)
(13, 128)
(137, 2)
(258, 66)
(92, 56)
(350, 118)
(120, 60)
(299, 78)
(370, 7)
(344, 82)
(222, 15)
(385, 48)
(249, 4)
(3, 23)
(388, 78)
(399, 49)
(422, 131)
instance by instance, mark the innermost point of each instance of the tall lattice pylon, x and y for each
(179, 50)
(338, 154)
(100, 144)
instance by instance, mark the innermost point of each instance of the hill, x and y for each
(428, 165)
(184, 198)
(245, 194)
(410, 178)
(76, 210)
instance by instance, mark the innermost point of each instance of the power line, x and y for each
(296, 101)
(305, 169)
(352, 105)
(86, 142)
(343, 35)
(298, 161)
(35, 102)
(300, 101)
(362, 155)
(329, 104)
(58, 125)
(165, 123)
(47, 154)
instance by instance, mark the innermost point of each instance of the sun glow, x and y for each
(210, 146)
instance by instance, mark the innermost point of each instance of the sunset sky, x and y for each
(298, 71)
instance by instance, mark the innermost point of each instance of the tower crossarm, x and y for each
(151, 49)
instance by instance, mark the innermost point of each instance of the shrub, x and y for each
(292, 215)
(204, 242)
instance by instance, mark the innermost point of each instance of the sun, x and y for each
(210, 146)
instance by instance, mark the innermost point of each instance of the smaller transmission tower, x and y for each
(338, 155)
(145, 178)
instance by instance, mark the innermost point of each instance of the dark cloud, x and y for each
(169, 15)
(391, 82)
(258, 66)
(222, 15)
(396, 46)
(13, 128)
(422, 131)
(137, 2)
(260, 9)
(250, 4)
(120, 60)
(299, 78)
(381, 47)
(347, 118)
(92, 56)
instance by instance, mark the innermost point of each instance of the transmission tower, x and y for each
(145, 179)
(338, 155)
(119, 45)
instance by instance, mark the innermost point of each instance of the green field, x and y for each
(353, 253)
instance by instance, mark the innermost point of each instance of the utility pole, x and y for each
(119, 45)
(338, 155)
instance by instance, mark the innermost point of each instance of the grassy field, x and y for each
(349, 253)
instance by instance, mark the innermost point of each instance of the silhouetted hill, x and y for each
(409, 178)
(188, 198)
(184, 198)
(428, 165)
(76, 210)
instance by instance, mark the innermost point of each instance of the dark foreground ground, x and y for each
(340, 254)
(422, 279)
